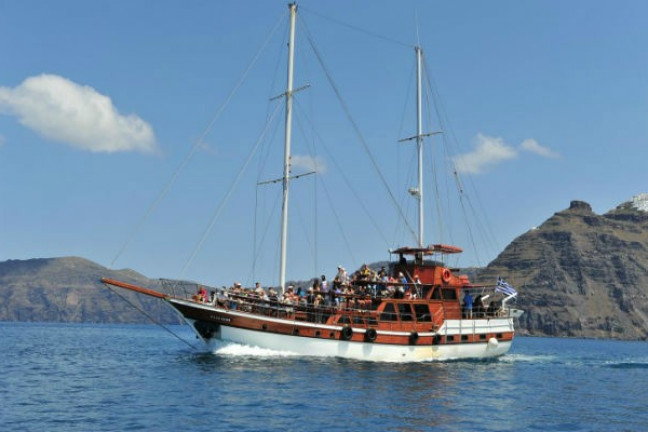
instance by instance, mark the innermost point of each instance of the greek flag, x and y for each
(504, 287)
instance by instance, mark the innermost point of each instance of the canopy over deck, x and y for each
(429, 250)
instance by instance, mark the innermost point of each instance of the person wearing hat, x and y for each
(310, 298)
(342, 274)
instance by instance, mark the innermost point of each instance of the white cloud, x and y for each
(309, 163)
(74, 114)
(532, 146)
(489, 152)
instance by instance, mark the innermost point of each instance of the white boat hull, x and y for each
(305, 346)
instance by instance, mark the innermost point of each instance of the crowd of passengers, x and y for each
(355, 291)
(350, 292)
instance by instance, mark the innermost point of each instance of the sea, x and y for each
(98, 377)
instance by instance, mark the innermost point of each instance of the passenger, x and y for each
(258, 290)
(414, 290)
(468, 306)
(236, 291)
(272, 294)
(364, 272)
(478, 306)
(316, 285)
(201, 294)
(289, 296)
(343, 275)
(310, 298)
(493, 309)
(336, 292)
(399, 291)
(324, 289)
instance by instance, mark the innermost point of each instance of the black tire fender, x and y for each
(346, 333)
(413, 338)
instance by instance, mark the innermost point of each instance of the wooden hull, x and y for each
(455, 339)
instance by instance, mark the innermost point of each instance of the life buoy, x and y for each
(346, 333)
(370, 335)
(413, 338)
(445, 275)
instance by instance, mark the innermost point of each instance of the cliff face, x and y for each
(581, 274)
(68, 290)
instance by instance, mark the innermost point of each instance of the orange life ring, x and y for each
(445, 275)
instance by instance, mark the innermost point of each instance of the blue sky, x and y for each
(545, 102)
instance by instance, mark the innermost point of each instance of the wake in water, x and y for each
(526, 358)
(626, 365)
(237, 350)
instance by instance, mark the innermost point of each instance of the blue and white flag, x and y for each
(504, 287)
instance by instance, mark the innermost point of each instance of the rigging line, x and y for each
(300, 217)
(263, 159)
(407, 99)
(437, 164)
(153, 320)
(358, 29)
(257, 252)
(437, 97)
(406, 200)
(357, 196)
(195, 146)
(481, 230)
(340, 226)
(254, 236)
(441, 116)
(470, 233)
(278, 56)
(358, 133)
(315, 170)
(229, 193)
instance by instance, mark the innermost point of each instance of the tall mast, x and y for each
(419, 143)
(286, 173)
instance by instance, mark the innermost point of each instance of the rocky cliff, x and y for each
(68, 290)
(579, 274)
(582, 274)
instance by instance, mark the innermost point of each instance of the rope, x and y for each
(153, 320)
(358, 133)
(218, 210)
(340, 227)
(485, 228)
(257, 250)
(195, 146)
(358, 29)
(358, 197)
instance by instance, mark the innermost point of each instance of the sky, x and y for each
(136, 135)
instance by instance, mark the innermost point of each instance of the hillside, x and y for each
(581, 274)
(68, 290)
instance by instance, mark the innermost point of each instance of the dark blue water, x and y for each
(58, 377)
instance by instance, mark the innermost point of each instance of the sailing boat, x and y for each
(411, 311)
